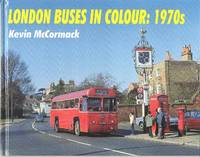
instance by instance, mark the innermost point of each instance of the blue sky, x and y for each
(102, 48)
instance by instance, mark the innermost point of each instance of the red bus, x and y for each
(92, 110)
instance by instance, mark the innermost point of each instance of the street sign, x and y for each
(140, 90)
(146, 86)
(140, 96)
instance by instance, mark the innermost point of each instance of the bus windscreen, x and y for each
(94, 104)
(109, 104)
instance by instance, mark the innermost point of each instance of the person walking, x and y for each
(132, 120)
(149, 123)
(161, 123)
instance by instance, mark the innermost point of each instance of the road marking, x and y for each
(87, 144)
(33, 125)
(52, 135)
(117, 151)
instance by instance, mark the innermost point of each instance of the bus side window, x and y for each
(54, 106)
(62, 104)
(72, 103)
(80, 106)
(76, 103)
(59, 104)
(66, 104)
(84, 105)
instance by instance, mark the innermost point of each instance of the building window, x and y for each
(158, 89)
(157, 72)
(150, 76)
(164, 91)
(151, 89)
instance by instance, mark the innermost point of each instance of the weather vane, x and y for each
(143, 31)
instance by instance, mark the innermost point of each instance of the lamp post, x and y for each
(143, 59)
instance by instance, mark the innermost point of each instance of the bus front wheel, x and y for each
(77, 128)
(56, 126)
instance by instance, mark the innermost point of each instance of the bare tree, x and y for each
(18, 82)
(18, 74)
(3, 86)
(60, 88)
(100, 79)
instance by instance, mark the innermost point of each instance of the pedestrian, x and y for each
(149, 123)
(132, 119)
(155, 120)
(161, 123)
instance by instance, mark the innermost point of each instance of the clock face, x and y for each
(143, 57)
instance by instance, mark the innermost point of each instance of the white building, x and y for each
(45, 107)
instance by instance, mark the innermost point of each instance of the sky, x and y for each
(102, 48)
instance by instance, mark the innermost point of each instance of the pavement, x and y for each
(8, 122)
(192, 138)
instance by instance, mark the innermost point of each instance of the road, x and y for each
(27, 138)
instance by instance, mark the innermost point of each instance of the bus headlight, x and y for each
(93, 122)
(112, 121)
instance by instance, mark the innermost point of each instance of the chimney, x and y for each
(186, 53)
(168, 56)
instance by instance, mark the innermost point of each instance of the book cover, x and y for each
(100, 78)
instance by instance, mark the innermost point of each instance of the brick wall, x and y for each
(178, 79)
(158, 77)
(197, 101)
(183, 79)
(194, 106)
(124, 110)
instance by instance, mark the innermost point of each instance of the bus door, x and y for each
(83, 115)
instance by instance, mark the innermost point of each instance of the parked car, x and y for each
(139, 121)
(39, 118)
(192, 120)
(173, 122)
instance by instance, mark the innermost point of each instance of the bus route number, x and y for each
(101, 92)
